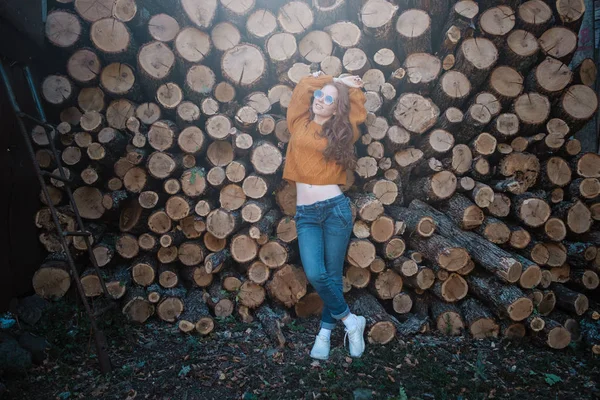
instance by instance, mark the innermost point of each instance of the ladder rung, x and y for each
(25, 115)
(57, 177)
(36, 120)
(76, 233)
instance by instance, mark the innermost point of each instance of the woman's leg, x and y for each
(337, 229)
(327, 320)
(311, 241)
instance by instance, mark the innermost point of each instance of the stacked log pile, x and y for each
(475, 207)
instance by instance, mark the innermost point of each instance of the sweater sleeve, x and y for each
(298, 110)
(358, 112)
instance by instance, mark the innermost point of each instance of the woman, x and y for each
(321, 149)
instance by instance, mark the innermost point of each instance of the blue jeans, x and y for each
(323, 234)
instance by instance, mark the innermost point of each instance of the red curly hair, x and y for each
(338, 130)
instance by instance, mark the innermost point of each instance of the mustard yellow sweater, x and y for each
(304, 160)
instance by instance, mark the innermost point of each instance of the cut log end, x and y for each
(454, 288)
(450, 323)
(531, 277)
(520, 309)
(484, 328)
(205, 325)
(559, 338)
(426, 227)
(514, 271)
(514, 331)
(51, 282)
(381, 332)
(453, 259)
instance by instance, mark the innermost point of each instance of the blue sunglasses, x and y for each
(319, 95)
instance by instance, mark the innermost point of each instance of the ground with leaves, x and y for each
(156, 361)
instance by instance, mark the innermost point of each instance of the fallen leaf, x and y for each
(552, 379)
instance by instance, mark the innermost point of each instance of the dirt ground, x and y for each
(237, 361)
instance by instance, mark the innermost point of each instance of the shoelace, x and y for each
(348, 332)
(345, 337)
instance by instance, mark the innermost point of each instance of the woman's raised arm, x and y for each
(298, 114)
(358, 112)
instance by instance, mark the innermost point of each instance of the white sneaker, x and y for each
(357, 341)
(320, 349)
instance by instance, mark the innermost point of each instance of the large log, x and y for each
(496, 22)
(534, 16)
(386, 285)
(53, 279)
(452, 289)
(478, 319)
(575, 214)
(495, 260)
(163, 27)
(532, 274)
(136, 307)
(585, 72)
(553, 335)
(447, 317)
(414, 31)
(559, 42)
(63, 28)
(441, 251)
(463, 212)
(475, 58)
(505, 300)
(577, 106)
(437, 187)
(494, 230)
(222, 223)
(169, 300)
(416, 113)
(570, 300)
(288, 285)
(453, 89)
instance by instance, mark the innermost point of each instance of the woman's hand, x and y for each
(353, 81)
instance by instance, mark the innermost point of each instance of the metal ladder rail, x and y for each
(82, 232)
(100, 338)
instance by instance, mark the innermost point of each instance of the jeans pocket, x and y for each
(344, 214)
